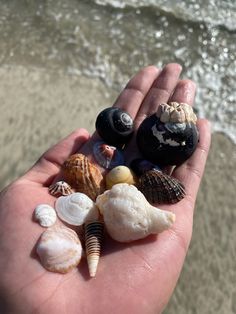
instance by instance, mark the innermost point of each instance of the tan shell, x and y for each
(83, 176)
(160, 188)
(93, 242)
(59, 249)
(120, 174)
(60, 188)
(176, 113)
(128, 216)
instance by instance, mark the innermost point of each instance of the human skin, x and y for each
(138, 277)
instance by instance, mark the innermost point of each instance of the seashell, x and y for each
(160, 188)
(93, 242)
(60, 188)
(119, 174)
(107, 156)
(83, 176)
(76, 209)
(176, 113)
(59, 249)
(140, 166)
(170, 142)
(45, 215)
(114, 125)
(128, 216)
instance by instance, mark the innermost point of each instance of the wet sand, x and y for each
(39, 108)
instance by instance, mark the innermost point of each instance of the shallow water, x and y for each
(100, 38)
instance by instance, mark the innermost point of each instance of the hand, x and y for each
(132, 278)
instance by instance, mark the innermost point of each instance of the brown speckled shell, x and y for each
(83, 176)
(160, 188)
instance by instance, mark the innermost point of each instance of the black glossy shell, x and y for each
(114, 125)
(166, 143)
(161, 188)
(140, 166)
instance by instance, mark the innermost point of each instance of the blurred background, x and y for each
(61, 62)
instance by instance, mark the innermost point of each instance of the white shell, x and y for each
(175, 112)
(60, 188)
(128, 216)
(59, 249)
(45, 215)
(76, 209)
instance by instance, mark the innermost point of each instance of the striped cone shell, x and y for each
(93, 242)
(160, 188)
(83, 176)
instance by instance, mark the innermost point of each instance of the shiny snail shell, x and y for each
(107, 156)
(170, 136)
(120, 174)
(114, 125)
(59, 249)
(83, 175)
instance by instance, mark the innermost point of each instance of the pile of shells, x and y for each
(117, 198)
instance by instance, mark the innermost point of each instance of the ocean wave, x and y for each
(214, 13)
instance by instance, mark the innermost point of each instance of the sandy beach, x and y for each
(38, 108)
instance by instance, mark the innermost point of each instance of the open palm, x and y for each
(132, 278)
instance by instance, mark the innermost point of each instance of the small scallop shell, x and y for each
(93, 242)
(160, 188)
(128, 216)
(84, 176)
(119, 174)
(45, 215)
(60, 188)
(107, 156)
(76, 209)
(59, 249)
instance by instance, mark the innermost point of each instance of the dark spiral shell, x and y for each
(166, 143)
(140, 166)
(93, 243)
(114, 125)
(161, 188)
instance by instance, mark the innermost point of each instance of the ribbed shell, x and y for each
(83, 176)
(59, 249)
(161, 188)
(93, 242)
(60, 188)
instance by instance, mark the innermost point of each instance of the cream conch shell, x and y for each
(176, 113)
(128, 216)
(76, 209)
(45, 215)
(119, 174)
(59, 249)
